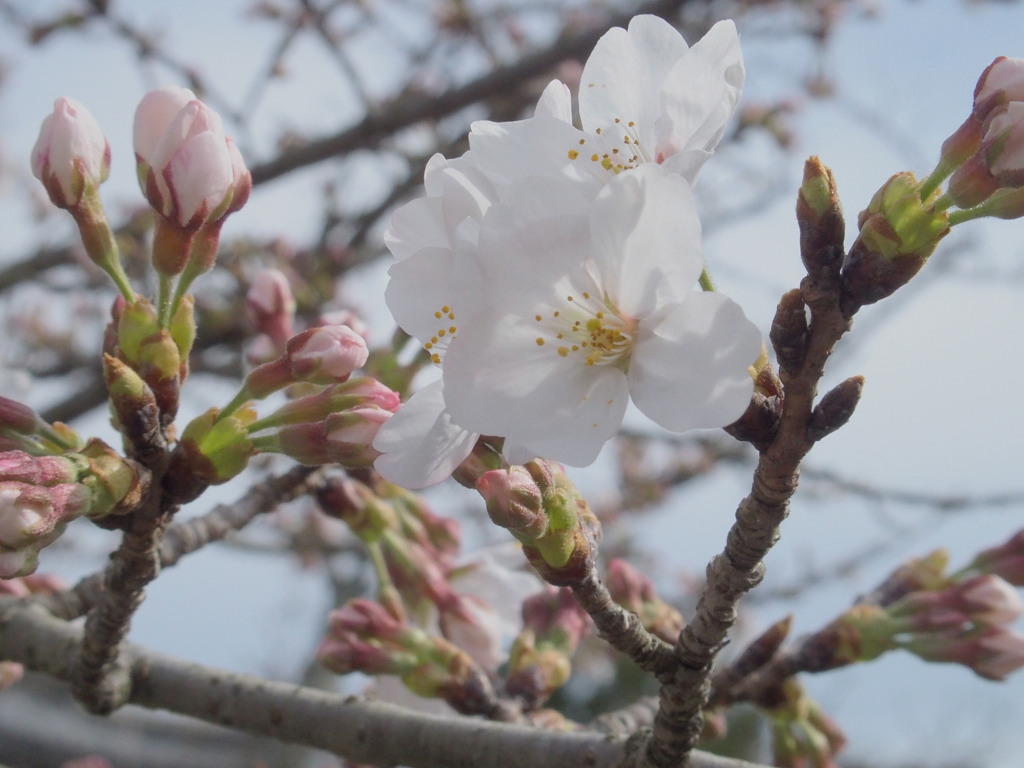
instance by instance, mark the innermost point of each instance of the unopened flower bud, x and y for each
(1002, 82)
(71, 154)
(271, 305)
(184, 161)
(344, 438)
(822, 228)
(514, 502)
(635, 592)
(1006, 560)
(898, 232)
(325, 355)
(991, 652)
(33, 514)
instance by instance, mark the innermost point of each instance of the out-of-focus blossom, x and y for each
(271, 305)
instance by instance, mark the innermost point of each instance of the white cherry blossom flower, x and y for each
(645, 97)
(434, 284)
(591, 304)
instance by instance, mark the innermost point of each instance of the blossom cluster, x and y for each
(552, 271)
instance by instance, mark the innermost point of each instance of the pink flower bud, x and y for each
(476, 628)
(514, 501)
(33, 516)
(627, 586)
(187, 169)
(1000, 83)
(556, 617)
(1003, 144)
(327, 354)
(1006, 560)
(344, 438)
(70, 154)
(991, 600)
(992, 652)
(271, 306)
(18, 417)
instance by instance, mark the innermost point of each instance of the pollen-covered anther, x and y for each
(599, 333)
(439, 341)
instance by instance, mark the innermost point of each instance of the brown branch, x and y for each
(620, 628)
(360, 731)
(803, 349)
(187, 537)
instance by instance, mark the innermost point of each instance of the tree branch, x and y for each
(358, 730)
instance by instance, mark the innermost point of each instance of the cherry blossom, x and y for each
(434, 283)
(591, 304)
(645, 97)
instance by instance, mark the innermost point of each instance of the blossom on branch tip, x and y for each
(71, 154)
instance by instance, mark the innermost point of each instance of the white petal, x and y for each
(417, 224)
(646, 237)
(556, 102)
(500, 382)
(624, 74)
(420, 444)
(533, 252)
(700, 94)
(419, 286)
(540, 146)
(690, 370)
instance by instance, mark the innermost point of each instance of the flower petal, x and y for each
(646, 237)
(699, 96)
(624, 74)
(500, 382)
(690, 370)
(420, 445)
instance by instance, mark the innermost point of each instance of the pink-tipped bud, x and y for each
(344, 438)
(186, 167)
(984, 599)
(1006, 560)
(1001, 83)
(514, 501)
(991, 652)
(271, 305)
(34, 514)
(71, 153)
(327, 354)
(345, 317)
(556, 618)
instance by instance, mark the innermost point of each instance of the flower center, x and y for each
(615, 150)
(591, 329)
(443, 335)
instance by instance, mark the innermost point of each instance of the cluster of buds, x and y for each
(40, 495)
(908, 217)
(960, 619)
(540, 661)
(334, 424)
(413, 551)
(363, 636)
(541, 507)
(635, 592)
(145, 363)
(803, 736)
